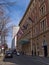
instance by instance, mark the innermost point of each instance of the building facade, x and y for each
(35, 27)
(14, 37)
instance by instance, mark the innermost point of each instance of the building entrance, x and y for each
(45, 51)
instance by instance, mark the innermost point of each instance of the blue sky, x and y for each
(16, 12)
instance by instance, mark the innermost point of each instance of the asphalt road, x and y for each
(21, 60)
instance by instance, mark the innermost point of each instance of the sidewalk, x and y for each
(1, 57)
(42, 59)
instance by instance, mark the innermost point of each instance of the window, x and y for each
(35, 31)
(25, 26)
(43, 10)
(44, 43)
(43, 24)
(36, 19)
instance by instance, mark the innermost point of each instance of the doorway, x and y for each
(45, 51)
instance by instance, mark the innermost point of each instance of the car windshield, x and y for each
(8, 52)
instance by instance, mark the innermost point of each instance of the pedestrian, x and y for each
(32, 52)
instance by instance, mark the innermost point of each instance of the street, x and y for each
(22, 60)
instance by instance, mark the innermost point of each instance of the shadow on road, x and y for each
(27, 60)
(11, 60)
(17, 60)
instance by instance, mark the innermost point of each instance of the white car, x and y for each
(18, 53)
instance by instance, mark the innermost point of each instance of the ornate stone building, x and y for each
(35, 27)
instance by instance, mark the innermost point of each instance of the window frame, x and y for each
(43, 26)
(43, 12)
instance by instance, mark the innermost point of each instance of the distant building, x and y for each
(14, 37)
(15, 30)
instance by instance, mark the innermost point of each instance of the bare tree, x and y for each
(4, 21)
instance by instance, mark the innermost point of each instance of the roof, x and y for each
(26, 11)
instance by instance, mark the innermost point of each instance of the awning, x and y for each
(24, 41)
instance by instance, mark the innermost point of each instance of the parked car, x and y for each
(18, 53)
(14, 51)
(8, 54)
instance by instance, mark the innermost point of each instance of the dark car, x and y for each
(14, 51)
(8, 54)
